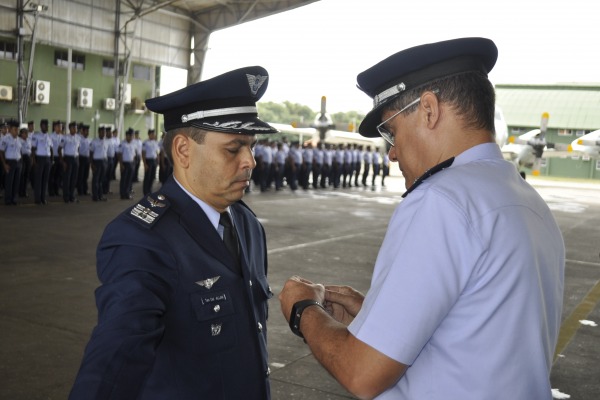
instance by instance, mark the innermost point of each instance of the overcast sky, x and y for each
(317, 50)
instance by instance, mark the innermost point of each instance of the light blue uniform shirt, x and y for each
(56, 139)
(468, 286)
(99, 149)
(84, 146)
(127, 150)
(11, 146)
(25, 146)
(70, 145)
(42, 142)
(213, 215)
(150, 148)
(110, 146)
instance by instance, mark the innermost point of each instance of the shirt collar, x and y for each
(479, 152)
(212, 214)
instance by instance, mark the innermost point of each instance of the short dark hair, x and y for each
(470, 94)
(196, 134)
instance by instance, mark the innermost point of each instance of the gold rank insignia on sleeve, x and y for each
(149, 209)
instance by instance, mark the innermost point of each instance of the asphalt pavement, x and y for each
(47, 281)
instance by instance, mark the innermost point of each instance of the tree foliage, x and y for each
(286, 113)
(300, 115)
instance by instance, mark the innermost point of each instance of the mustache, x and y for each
(244, 177)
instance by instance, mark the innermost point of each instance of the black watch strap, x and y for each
(296, 314)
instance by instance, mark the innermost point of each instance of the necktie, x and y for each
(230, 237)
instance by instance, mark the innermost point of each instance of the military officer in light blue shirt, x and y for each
(467, 290)
(84, 161)
(10, 157)
(126, 155)
(111, 151)
(98, 152)
(41, 144)
(68, 151)
(150, 152)
(25, 160)
(56, 169)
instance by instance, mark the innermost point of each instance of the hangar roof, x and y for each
(157, 32)
(571, 106)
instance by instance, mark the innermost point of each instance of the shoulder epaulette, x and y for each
(149, 209)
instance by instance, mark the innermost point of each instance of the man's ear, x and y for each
(180, 150)
(431, 106)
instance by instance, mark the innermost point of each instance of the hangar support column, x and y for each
(198, 55)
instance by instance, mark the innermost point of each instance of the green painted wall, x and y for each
(92, 77)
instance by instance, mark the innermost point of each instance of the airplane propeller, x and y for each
(534, 144)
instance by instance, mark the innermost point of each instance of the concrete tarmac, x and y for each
(48, 278)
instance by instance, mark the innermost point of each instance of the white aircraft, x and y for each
(323, 129)
(527, 149)
(588, 145)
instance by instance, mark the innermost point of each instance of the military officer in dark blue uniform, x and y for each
(182, 309)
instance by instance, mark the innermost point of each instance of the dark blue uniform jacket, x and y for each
(176, 319)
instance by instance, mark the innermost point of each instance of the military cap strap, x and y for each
(389, 92)
(218, 112)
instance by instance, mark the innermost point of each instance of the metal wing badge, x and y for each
(256, 81)
(154, 203)
(208, 283)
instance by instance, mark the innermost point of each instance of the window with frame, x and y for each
(141, 72)
(8, 50)
(565, 132)
(61, 59)
(108, 67)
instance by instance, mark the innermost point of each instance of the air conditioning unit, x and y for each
(6, 93)
(110, 103)
(42, 92)
(85, 99)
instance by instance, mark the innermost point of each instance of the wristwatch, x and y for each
(296, 315)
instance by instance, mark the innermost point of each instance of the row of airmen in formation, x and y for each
(57, 161)
(54, 161)
(321, 166)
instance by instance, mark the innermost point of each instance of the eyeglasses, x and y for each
(384, 132)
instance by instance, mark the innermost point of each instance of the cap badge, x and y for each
(256, 81)
(208, 283)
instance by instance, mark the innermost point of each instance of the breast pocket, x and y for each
(216, 323)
